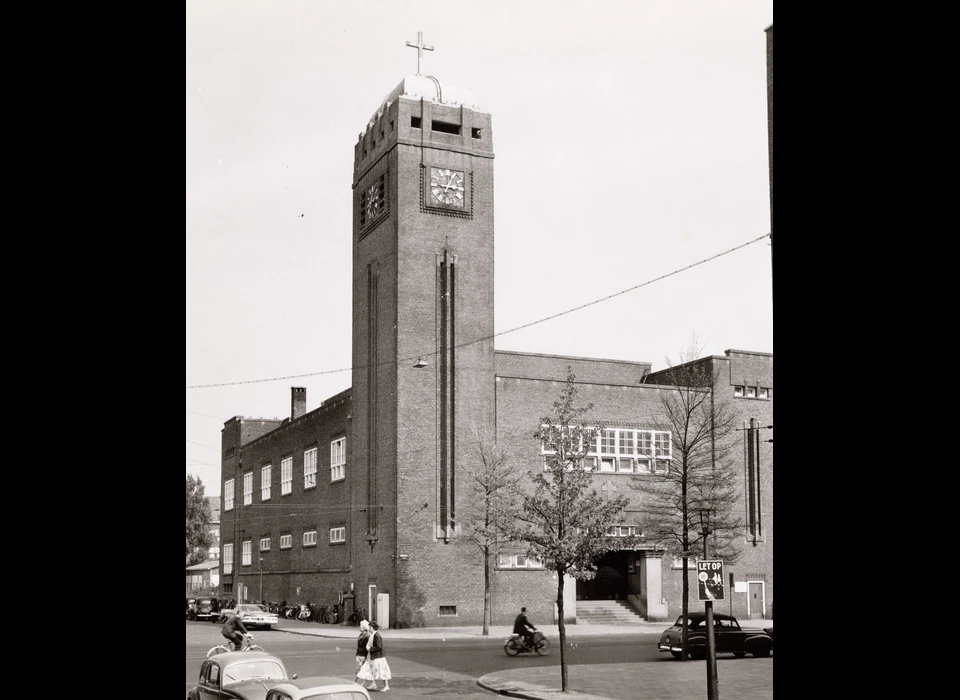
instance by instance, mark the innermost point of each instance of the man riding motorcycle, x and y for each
(525, 628)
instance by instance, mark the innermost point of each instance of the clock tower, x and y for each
(423, 356)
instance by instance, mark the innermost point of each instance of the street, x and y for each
(421, 668)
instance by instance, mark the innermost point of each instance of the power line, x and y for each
(203, 446)
(496, 335)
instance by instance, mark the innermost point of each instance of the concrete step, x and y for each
(606, 612)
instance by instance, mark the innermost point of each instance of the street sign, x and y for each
(710, 579)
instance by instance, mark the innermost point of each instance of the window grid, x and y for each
(310, 538)
(228, 558)
(286, 475)
(247, 553)
(626, 451)
(265, 476)
(517, 561)
(228, 494)
(286, 541)
(338, 459)
(310, 468)
(264, 544)
(248, 488)
(338, 534)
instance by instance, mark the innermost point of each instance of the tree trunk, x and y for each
(486, 594)
(563, 634)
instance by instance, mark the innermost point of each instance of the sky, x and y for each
(630, 178)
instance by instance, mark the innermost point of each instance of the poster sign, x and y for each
(710, 579)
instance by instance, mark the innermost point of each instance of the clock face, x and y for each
(446, 186)
(373, 201)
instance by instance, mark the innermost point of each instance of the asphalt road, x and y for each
(421, 668)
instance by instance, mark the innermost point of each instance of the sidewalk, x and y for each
(665, 679)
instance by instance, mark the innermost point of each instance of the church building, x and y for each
(358, 500)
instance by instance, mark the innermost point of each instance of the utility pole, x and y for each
(261, 580)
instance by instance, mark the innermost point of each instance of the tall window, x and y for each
(310, 468)
(248, 488)
(286, 475)
(338, 459)
(228, 558)
(247, 553)
(265, 476)
(228, 494)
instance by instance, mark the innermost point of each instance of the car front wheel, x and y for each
(676, 654)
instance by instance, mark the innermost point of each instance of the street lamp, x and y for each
(712, 691)
(261, 580)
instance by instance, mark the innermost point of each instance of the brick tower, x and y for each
(423, 356)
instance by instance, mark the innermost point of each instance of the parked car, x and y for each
(191, 602)
(728, 636)
(769, 630)
(318, 688)
(239, 675)
(256, 616)
(204, 609)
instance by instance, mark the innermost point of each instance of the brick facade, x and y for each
(427, 384)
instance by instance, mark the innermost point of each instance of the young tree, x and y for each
(198, 522)
(492, 486)
(564, 521)
(702, 473)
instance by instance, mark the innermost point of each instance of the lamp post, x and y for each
(261, 580)
(712, 691)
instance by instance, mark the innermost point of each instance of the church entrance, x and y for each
(610, 583)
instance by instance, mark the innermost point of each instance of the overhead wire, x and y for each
(501, 333)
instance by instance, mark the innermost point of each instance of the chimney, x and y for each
(298, 401)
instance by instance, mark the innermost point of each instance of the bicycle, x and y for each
(248, 645)
(328, 615)
(357, 615)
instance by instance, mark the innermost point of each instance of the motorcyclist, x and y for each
(525, 628)
(234, 630)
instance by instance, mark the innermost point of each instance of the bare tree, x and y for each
(492, 485)
(564, 521)
(702, 473)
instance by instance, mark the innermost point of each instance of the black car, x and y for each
(204, 609)
(728, 637)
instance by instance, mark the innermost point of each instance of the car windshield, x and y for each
(262, 668)
(250, 609)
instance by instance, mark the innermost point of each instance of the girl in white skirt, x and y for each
(376, 667)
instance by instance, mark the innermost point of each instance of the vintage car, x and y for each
(255, 616)
(728, 636)
(769, 630)
(204, 609)
(239, 675)
(318, 688)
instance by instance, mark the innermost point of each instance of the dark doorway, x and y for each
(610, 583)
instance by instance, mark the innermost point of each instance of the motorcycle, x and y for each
(515, 645)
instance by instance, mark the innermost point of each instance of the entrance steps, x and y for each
(607, 612)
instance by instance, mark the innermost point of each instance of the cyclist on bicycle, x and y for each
(234, 630)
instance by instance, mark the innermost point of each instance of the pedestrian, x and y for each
(375, 668)
(362, 648)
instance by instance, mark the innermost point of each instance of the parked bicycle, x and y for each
(357, 615)
(328, 615)
(248, 645)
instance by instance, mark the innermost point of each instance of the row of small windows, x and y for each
(338, 465)
(338, 535)
(445, 127)
(625, 451)
(751, 392)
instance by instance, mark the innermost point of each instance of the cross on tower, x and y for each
(420, 47)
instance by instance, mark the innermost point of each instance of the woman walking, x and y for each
(362, 648)
(376, 667)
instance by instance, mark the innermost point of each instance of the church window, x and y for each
(445, 127)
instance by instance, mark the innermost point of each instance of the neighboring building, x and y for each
(214, 551)
(361, 495)
(203, 576)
